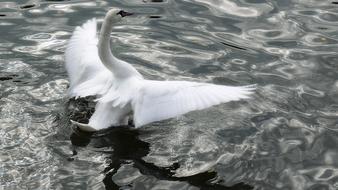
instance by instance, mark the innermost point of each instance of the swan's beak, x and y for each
(124, 13)
(84, 127)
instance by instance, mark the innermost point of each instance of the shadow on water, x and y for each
(127, 147)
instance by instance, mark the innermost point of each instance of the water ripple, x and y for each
(285, 137)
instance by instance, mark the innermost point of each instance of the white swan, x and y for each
(121, 91)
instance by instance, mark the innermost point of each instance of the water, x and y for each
(285, 137)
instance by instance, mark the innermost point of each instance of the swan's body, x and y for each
(121, 91)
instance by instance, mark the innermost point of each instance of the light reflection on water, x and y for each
(285, 137)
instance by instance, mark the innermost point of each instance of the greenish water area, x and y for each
(284, 137)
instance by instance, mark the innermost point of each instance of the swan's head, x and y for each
(115, 15)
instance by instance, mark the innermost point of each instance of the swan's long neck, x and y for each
(119, 68)
(107, 58)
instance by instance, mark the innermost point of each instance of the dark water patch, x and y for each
(27, 6)
(153, 1)
(8, 77)
(224, 81)
(57, 0)
(2, 15)
(154, 16)
(329, 17)
(118, 138)
(310, 13)
(322, 28)
(5, 78)
(80, 109)
(233, 46)
(255, 1)
(334, 2)
(263, 117)
(202, 180)
(286, 44)
(203, 69)
(80, 138)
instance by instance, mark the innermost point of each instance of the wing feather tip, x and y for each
(247, 91)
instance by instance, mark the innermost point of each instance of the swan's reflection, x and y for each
(129, 149)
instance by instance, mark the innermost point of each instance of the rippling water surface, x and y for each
(285, 137)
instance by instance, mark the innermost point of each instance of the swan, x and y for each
(121, 91)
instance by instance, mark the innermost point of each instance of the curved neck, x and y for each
(107, 58)
(119, 68)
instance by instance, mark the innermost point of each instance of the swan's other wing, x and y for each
(159, 100)
(88, 76)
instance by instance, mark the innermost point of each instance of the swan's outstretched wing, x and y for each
(87, 74)
(160, 100)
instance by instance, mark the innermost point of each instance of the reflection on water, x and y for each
(285, 137)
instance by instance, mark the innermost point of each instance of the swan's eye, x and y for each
(124, 13)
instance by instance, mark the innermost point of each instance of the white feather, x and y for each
(87, 74)
(159, 100)
(121, 90)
